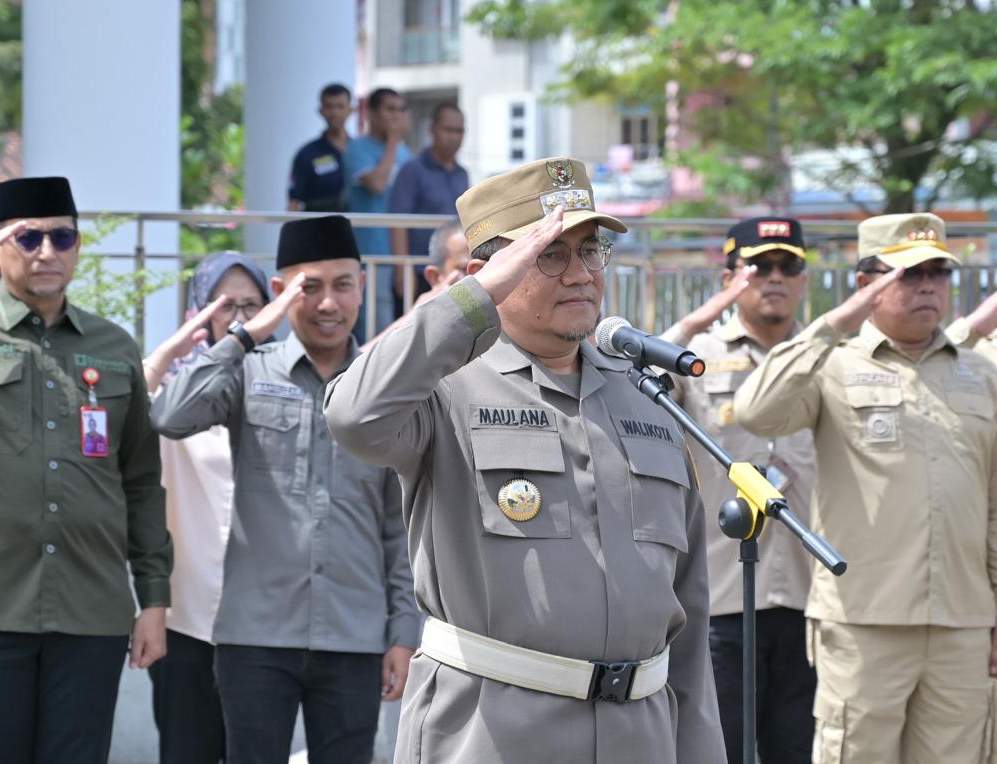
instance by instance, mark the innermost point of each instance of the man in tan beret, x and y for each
(555, 528)
(903, 424)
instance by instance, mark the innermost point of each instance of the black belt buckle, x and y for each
(612, 681)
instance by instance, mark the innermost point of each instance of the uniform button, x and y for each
(50, 424)
(318, 569)
(53, 465)
(46, 344)
(50, 548)
(35, 320)
(50, 384)
(53, 507)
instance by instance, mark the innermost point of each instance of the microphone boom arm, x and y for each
(761, 497)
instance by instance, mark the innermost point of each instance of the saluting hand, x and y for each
(983, 320)
(265, 323)
(506, 268)
(12, 230)
(848, 316)
(180, 343)
(703, 317)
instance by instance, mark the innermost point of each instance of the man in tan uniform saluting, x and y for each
(555, 531)
(903, 424)
(765, 278)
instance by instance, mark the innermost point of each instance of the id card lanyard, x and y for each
(94, 442)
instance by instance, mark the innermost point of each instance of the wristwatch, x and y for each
(237, 330)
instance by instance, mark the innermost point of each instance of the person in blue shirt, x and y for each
(317, 179)
(372, 162)
(428, 185)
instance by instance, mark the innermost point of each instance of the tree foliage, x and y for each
(911, 83)
(10, 66)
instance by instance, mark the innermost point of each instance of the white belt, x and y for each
(533, 670)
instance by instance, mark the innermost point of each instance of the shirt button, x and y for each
(35, 320)
(318, 569)
(53, 507)
(50, 384)
(46, 344)
(50, 548)
(53, 465)
(50, 424)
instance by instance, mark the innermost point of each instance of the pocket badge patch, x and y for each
(520, 500)
(882, 427)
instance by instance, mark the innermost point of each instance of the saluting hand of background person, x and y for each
(703, 317)
(12, 230)
(191, 334)
(265, 323)
(148, 638)
(983, 320)
(848, 316)
(504, 270)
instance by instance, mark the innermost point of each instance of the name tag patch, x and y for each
(102, 364)
(717, 365)
(278, 390)
(325, 164)
(639, 428)
(513, 417)
(872, 378)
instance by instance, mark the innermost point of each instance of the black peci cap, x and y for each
(36, 198)
(313, 239)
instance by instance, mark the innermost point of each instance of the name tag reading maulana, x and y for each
(513, 417)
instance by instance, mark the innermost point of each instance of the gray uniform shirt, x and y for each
(612, 568)
(316, 557)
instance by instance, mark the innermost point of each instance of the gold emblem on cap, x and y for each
(561, 173)
(922, 235)
(519, 499)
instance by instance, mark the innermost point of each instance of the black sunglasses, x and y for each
(788, 265)
(63, 239)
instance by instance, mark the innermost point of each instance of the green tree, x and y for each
(894, 78)
(10, 66)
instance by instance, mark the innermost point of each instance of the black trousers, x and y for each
(262, 687)
(785, 685)
(186, 704)
(57, 697)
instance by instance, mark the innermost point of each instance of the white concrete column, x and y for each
(102, 107)
(291, 53)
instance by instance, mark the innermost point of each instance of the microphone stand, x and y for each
(741, 518)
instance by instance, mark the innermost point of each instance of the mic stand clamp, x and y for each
(741, 518)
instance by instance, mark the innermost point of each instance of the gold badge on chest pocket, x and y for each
(520, 499)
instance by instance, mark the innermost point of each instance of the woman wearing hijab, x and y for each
(197, 475)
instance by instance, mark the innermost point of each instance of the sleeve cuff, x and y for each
(820, 332)
(153, 592)
(227, 351)
(405, 629)
(475, 305)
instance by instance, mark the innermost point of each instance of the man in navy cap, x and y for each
(80, 498)
(317, 604)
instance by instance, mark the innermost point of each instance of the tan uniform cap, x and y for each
(510, 205)
(903, 241)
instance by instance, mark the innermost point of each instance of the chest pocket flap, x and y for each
(273, 414)
(863, 396)
(972, 403)
(659, 481)
(11, 368)
(500, 457)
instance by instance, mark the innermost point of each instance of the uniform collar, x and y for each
(14, 311)
(870, 339)
(735, 331)
(293, 351)
(505, 356)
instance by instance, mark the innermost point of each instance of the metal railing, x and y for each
(657, 274)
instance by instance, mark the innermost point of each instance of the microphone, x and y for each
(615, 336)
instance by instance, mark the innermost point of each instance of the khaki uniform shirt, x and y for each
(612, 568)
(71, 525)
(906, 471)
(784, 568)
(316, 555)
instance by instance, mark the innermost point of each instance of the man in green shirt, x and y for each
(80, 495)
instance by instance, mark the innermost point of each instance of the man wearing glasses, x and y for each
(555, 525)
(80, 495)
(765, 278)
(903, 424)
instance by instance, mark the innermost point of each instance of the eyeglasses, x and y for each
(788, 265)
(231, 309)
(594, 254)
(913, 276)
(63, 239)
